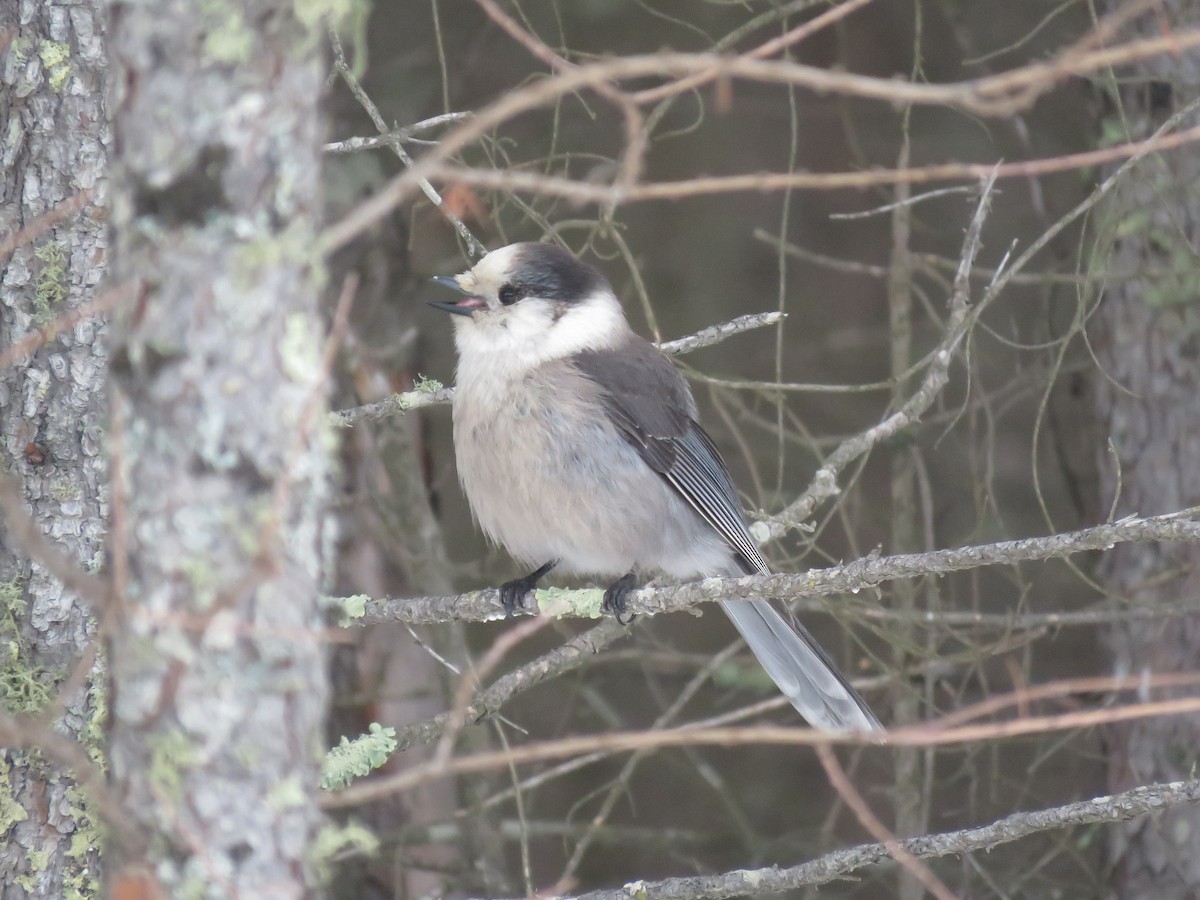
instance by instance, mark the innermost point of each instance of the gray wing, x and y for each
(651, 405)
(649, 401)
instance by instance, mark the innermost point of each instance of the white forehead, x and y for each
(494, 268)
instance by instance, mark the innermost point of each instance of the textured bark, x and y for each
(1146, 338)
(53, 138)
(218, 667)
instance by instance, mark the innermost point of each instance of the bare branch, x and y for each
(490, 700)
(43, 223)
(824, 483)
(104, 302)
(745, 882)
(393, 405)
(399, 135)
(870, 821)
(403, 402)
(474, 247)
(714, 334)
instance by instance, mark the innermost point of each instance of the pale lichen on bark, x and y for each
(53, 139)
(218, 663)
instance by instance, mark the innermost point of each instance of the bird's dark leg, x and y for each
(512, 593)
(616, 595)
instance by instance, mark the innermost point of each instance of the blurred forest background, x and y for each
(1071, 401)
(1010, 449)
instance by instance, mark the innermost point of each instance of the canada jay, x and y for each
(578, 448)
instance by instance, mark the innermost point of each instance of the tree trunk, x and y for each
(221, 447)
(53, 139)
(1145, 335)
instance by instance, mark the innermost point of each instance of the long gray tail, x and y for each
(801, 669)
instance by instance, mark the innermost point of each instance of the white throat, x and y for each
(504, 344)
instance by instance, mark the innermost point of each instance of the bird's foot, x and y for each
(512, 593)
(616, 597)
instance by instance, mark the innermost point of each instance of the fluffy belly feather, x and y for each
(549, 479)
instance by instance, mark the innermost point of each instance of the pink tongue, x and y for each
(471, 303)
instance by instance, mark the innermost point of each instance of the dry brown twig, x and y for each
(929, 733)
(26, 534)
(105, 302)
(762, 51)
(636, 138)
(32, 733)
(43, 223)
(994, 95)
(587, 192)
(871, 822)
(460, 702)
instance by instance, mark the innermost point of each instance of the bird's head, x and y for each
(525, 304)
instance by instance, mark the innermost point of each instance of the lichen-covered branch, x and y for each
(481, 606)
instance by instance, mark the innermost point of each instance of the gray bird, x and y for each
(578, 448)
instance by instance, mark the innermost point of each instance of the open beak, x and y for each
(464, 307)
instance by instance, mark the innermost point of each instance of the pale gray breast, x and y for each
(549, 476)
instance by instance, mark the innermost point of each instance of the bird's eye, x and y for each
(509, 294)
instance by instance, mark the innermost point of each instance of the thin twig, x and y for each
(759, 182)
(926, 734)
(103, 302)
(409, 400)
(636, 138)
(393, 405)
(840, 863)
(762, 51)
(490, 700)
(26, 535)
(399, 135)
(474, 247)
(715, 334)
(876, 828)
(30, 733)
(995, 95)
(899, 204)
(45, 222)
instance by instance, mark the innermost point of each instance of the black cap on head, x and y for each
(549, 271)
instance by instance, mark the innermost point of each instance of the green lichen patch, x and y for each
(11, 812)
(172, 753)
(228, 40)
(560, 602)
(353, 607)
(300, 349)
(55, 58)
(352, 759)
(50, 283)
(347, 17)
(25, 687)
(334, 843)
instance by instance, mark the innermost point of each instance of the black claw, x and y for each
(616, 597)
(512, 593)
